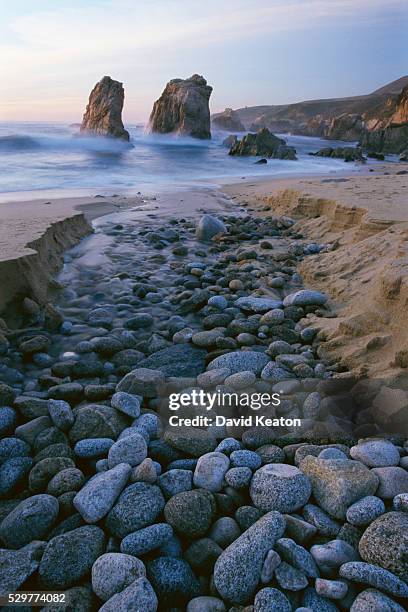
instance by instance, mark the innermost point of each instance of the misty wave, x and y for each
(19, 143)
(51, 156)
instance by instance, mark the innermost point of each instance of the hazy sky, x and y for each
(251, 51)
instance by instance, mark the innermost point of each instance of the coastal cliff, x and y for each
(393, 136)
(183, 108)
(350, 119)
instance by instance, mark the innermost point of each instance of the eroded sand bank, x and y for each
(364, 220)
(34, 235)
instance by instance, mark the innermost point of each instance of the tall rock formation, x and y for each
(183, 108)
(228, 120)
(103, 115)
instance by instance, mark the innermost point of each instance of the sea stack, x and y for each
(183, 108)
(103, 115)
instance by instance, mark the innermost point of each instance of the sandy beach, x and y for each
(352, 214)
(215, 292)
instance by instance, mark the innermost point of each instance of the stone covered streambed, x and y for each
(101, 499)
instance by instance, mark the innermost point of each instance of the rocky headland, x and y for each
(378, 120)
(183, 108)
(103, 114)
(228, 120)
(101, 498)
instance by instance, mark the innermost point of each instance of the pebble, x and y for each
(202, 554)
(271, 562)
(218, 301)
(92, 447)
(191, 513)
(175, 481)
(145, 472)
(239, 361)
(208, 227)
(311, 408)
(139, 595)
(8, 420)
(331, 555)
(245, 458)
(337, 484)
(96, 421)
(257, 304)
(238, 569)
(372, 600)
(131, 450)
(97, 497)
(31, 407)
(392, 481)
(272, 317)
(31, 520)
(400, 502)
(297, 556)
(365, 510)
(173, 581)
(205, 604)
(385, 543)
(377, 577)
(281, 487)
(13, 447)
(273, 374)
(138, 506)
(18, 565)
(113, 572)
(211, 378)
(332, 453)
(69, 557)
(210, 471)
(269, 599)
(126, 403)
(247, 516)
(313, 602)
(299, 530)
(333, 589)
(269, 453)
(147, 539)
(29, 431)
(325, 525)
(228, 445)
(142, 381)
(376, 453)
(190, 440)
(305, 297)
(239, 477)
(289, 578)
(67, 480)
(240, 380)
(225, 531)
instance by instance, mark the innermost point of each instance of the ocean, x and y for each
(48, 156)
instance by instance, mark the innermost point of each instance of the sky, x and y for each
(251, 51)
